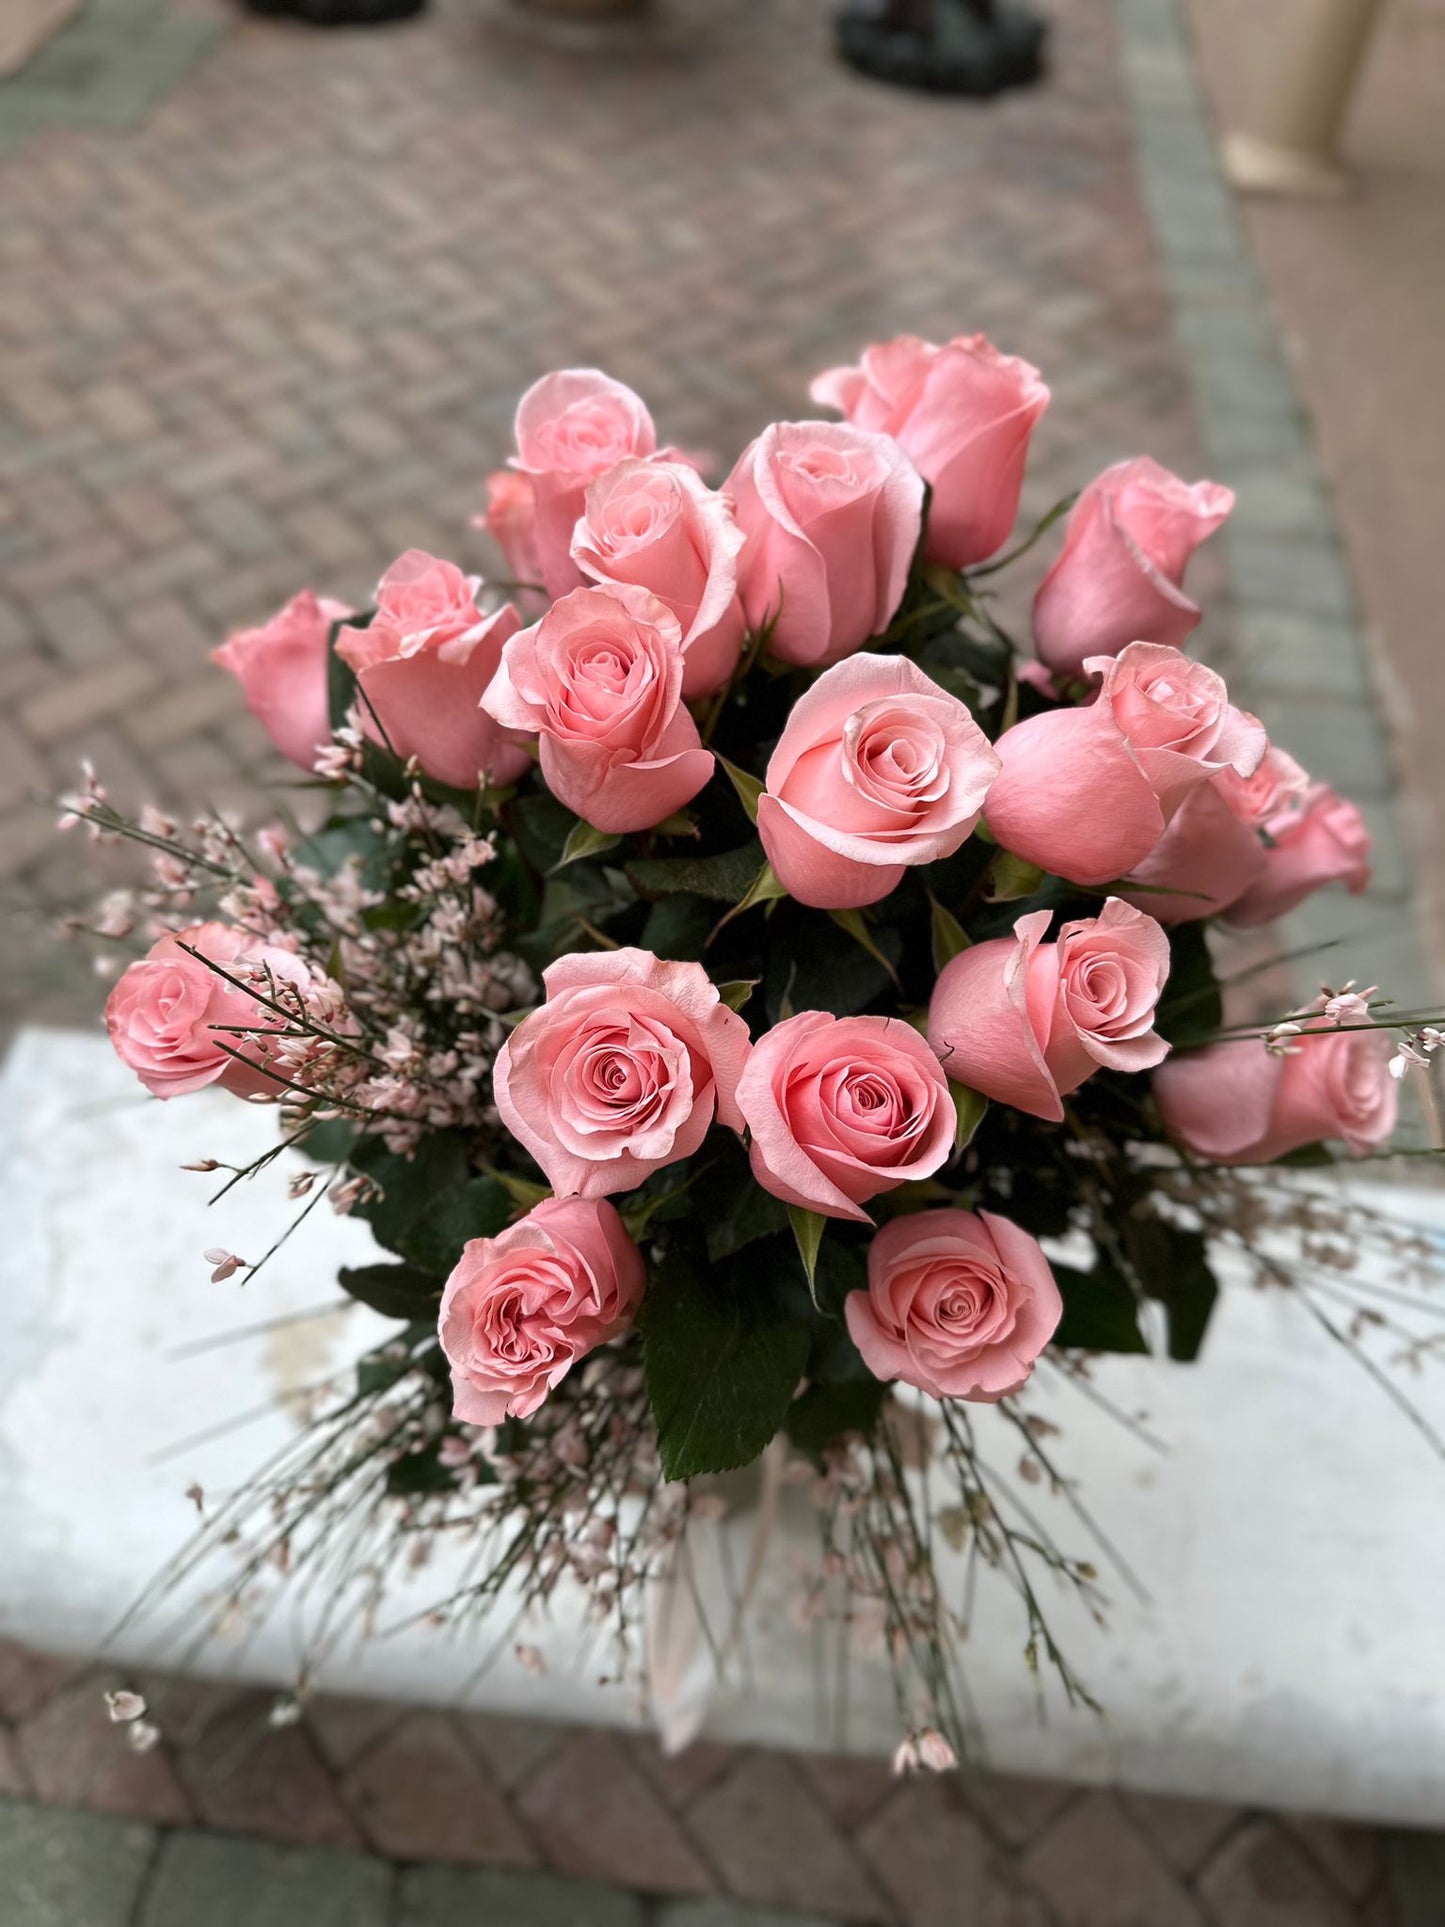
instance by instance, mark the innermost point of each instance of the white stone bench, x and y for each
(1291, 1540)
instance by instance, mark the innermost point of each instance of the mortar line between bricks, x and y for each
(159, 1837)
(1228, 337)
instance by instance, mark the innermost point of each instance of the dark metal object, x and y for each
(977, 47)
(337, 13)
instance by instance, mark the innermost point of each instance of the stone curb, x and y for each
(1303, 661)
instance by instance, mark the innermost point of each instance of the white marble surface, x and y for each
(1290, 1654)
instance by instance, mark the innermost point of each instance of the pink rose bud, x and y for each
(959, 1303)
(599, 681)
(1129, 538)
(621, 1070)
(175, 1021)
(1026, 1022)
(282, 668)
(422, 665)
(831, 516)
(521, 1308)
(843, 1108)
(1238, 1103)
(655, 524)
(1321, 840)
(1086, 793)
(877, 768)
(1213, 850)
(964, 414)
(510, 519)
(571, 427)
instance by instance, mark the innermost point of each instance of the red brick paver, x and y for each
(276, 333)
(832, 1838)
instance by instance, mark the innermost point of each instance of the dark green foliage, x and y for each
(720, 879)
(731, 1206)
(396, 1291)
(480, 1208)
(723, 1356)
(1191, 1009)
(1101, 1313)
(826, 1413)
(1172, 1266)
(411, 1190)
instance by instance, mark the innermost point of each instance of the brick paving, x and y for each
(274, 333)
(370, 1815)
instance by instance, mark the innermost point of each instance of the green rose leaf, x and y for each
(1172, 1266)
(972, 1108)
(723, 1361)
(826, 1413)
(1012, 878)
(583, 840)
(808, 1228)
(1101, 1313)
(749, 789)
(396, 1291)
(411, 1189)
(1191, 1009)
(949, 935)
(480, 1208)
(721, 879)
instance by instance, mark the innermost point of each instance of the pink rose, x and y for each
(1129, 538)
(521, 1308)
(830, 515)
(173, 1019)
(1026, 1022)
(510, 519)
(964, 414)
(842, 1108)
(1086, 793)
(422, 665)
(959, 1303)
(657, 525)
(282, 668)
(1238, 1103)
(599, 680)
(1321, 840)
(877, 768)
(1213, 851)
(621, 1070)
(571, 427)
(1206, 857)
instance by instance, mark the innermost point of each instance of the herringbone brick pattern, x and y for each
(835, 1840)
(274, 333)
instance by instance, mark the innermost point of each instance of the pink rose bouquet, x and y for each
(760, 1012)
